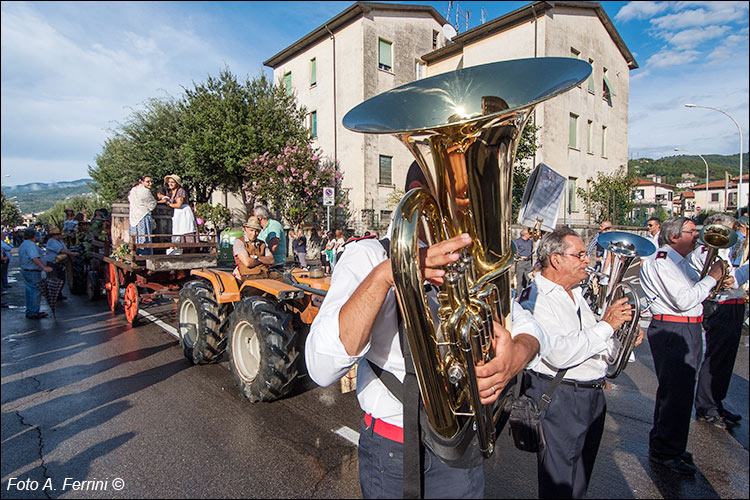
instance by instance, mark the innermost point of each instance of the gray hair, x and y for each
(723, 219)
(553, 243)
(262, 211)
(671, 228)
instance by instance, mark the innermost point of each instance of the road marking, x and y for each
(170, 329)
(348, 434)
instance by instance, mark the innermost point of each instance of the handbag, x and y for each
(525, 419)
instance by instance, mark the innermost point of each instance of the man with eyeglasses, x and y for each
(573, 422)
(674, 337)
(654, 227)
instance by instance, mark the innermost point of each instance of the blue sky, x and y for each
(72, 70)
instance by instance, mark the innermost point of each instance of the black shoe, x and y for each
(38, 315)
(714, 420)
(687, 457)
(675, 464)
(729, 416)
(62, 297)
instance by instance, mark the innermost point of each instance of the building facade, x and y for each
(372, 47)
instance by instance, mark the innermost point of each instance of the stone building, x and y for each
(371, 47)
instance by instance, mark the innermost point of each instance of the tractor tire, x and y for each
(262, 349)
(201, 321)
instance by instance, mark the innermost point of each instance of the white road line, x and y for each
(348, 434)
(345, 432)
(169, 329)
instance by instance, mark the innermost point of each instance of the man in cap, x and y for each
(70, 223)
(30, 260)
(56, 254)
(272, 234)
(251, 255)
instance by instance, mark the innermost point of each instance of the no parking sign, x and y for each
(328, 195)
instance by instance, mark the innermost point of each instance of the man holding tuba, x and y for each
(359, 321)
(674, 337)
(722, 320)
(573, 422)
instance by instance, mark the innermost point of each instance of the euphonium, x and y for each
(716, 237)
(625, 247)
(463, 128)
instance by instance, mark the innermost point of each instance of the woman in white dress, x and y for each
(183, 220)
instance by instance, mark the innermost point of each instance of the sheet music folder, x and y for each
(542, 197)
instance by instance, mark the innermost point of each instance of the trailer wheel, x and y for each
(262, 349)
(113, 288)
(77, 276)
(92, 286)
(131, 302)
(201, 322)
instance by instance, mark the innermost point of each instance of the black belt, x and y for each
(524, 258)
(592, 384)
(32, 270)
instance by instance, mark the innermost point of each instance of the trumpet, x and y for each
(716, 237)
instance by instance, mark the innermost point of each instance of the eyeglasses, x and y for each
(582, 255)
(692, 231)
(607, 228)
(651, 225)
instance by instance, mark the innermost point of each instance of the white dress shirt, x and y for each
(697, 259)
(674, 286)
(327, 359)
(577, 340)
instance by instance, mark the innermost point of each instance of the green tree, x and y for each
(610, 196)
(83, 204)
(292, 182)
(11, 215)
(146, 144)
(226, 120)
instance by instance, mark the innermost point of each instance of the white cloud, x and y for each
(690, 38)
(708, 14)
(668, 57)
(640, 10)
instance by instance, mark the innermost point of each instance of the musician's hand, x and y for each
(432, 259)
(639, 339)
(511, 356)
(618, 313)
(728, 282)
(716, 271)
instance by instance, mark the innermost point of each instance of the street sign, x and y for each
(328, 195)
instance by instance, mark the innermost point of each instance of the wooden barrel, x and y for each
(161, 218)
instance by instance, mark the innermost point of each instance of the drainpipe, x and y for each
(335, 125)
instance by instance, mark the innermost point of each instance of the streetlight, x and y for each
(739, 129)
(706, 163)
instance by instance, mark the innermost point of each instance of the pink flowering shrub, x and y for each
(293, 182)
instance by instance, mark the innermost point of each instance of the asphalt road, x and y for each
(88, 398)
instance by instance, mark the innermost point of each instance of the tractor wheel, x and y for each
(262, 349)
(200, 321)
(92, 286)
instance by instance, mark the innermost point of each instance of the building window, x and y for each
(607, 89)
(590, 138)
(434, 39)
(604, 141)
(385, 170)
(575, 54)
(385, 217)
(313, 72)
(288, 82)
(385, 56)
(572, 139)
(418, 70)
(572, 194)
(591, 76)
(714, 197)
(312, 124)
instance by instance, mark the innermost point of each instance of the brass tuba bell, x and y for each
(463, 128)
(715, 237)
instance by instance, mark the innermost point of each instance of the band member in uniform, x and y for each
(654, 227)
(251, 255)
(722, 321)
(359, 321)
(573, 422)
(674, 337)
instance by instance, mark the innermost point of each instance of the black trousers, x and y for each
(573, 425)
(676, 349)
(523, 268)
(723, 331)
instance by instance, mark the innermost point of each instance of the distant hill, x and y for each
(671, 168)
(37, 197)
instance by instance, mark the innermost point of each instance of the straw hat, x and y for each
(254, 223)
(174, 177)
(53, 231)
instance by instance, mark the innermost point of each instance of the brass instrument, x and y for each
(716, 237)
(463, 128)
(625, 247)
(536, 231)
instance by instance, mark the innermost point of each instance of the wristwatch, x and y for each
(255, 257)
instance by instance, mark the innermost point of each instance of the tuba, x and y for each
(716, 237)
(463, 128)
(625, 247)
